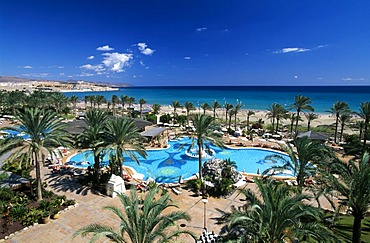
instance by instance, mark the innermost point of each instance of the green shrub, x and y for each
(166, 118)
(194, 184)
(6, 194)
(70, 202)
(3, 176)
(20, 198)
(221, 188)
(31, 217)
(17, 212)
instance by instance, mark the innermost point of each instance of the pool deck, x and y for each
(89, 210)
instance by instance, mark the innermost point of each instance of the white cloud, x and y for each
(96, 68)
(116, 61)
(90, 57)
(142, 63)
(201, 29)
(27, 67)
(105, 48)
(291, 49)
(187, 58)
(83, 74)
(353, 79)
(144, 49)
(322, 46)
(295, 76)
(54, 66)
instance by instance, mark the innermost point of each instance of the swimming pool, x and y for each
(168, 164)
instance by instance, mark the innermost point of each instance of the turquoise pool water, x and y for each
(168, 164)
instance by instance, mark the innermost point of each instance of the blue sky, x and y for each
(192, 42)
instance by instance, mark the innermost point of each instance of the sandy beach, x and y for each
(323, 118)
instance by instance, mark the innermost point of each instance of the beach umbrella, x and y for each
(313, 135)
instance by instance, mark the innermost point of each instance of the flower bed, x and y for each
(20, 210)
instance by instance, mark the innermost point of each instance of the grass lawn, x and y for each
(343, 228)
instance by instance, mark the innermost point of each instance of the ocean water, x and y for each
(252, 97)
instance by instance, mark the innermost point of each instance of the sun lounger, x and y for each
(176, 190)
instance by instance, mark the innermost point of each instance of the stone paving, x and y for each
(89, 210)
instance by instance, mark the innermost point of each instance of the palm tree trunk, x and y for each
(235, 122)
(247, 121)
(273, 124)
(336, 128)
(38, 177)
(277, 125)
(356, 229)
(200, 145)
(291, 126)
(230, 121)
(96, 168)
(308, 125)
(341, 132)
(226, 116)
(296, 125)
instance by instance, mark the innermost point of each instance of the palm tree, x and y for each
(188, 107)
(310, 117)
(124, 100)
(45, 132)
(203, 133)
(352, 181)
(337, 109)
(276, 215)
(365, 114)
(301, 103)
(142, 220)
(272, 113)
(231, 114)
(175, 106)
(227, 108)
(215, 106)
(301, 161)
(156, 108)
(249, 114)
(141, 103)
(130, 101)
(361, 125)
(123, 137)
(205, 107)
(344, 119)
(237, 108)
(100, 99)
(87, 99)
(58, 100)
(282, 113)
(114, 101)
(93, 137)
(73, 99)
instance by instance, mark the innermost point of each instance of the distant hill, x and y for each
(11, 79)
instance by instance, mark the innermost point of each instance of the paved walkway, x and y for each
(89, 210)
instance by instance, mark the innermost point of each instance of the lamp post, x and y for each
(204, 200)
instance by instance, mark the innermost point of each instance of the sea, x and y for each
(252, 97)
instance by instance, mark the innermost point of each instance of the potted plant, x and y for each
(45, 209)
(55, 213)
(45, 216)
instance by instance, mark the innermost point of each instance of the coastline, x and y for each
(323, 119)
